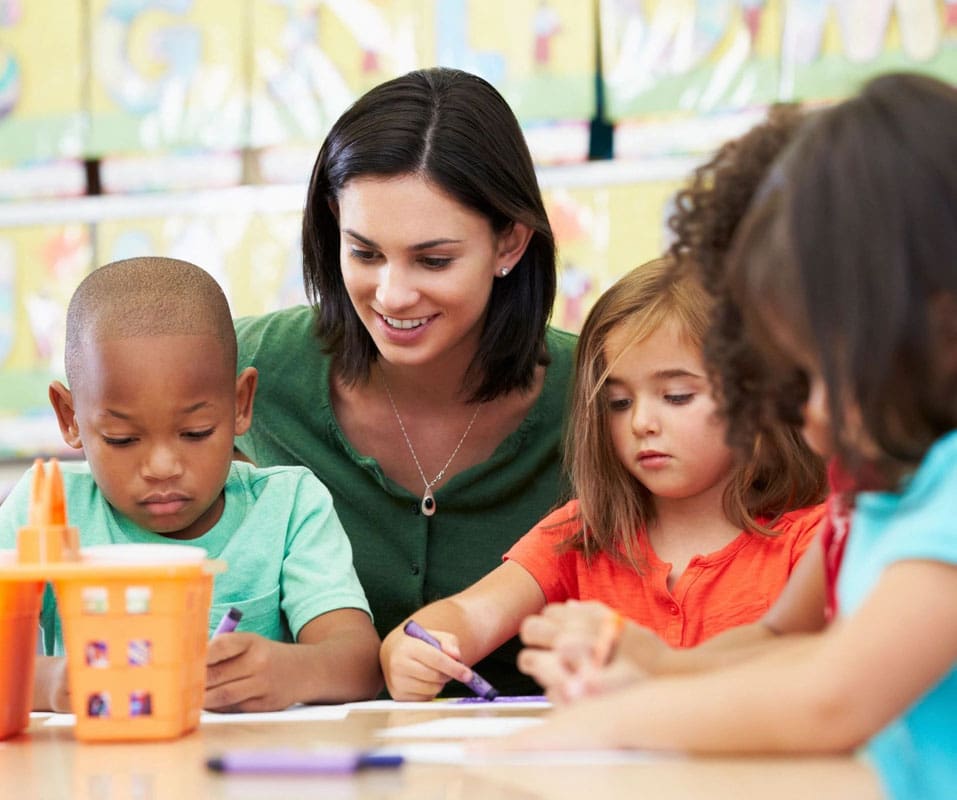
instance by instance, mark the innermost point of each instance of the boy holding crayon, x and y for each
(154, 402)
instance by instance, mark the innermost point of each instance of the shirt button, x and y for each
(415, 569)
(415, 508)
(674, 609)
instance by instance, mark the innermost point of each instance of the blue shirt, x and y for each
(916, 754)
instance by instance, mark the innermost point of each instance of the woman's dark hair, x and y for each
(851, 248)
(456, 131)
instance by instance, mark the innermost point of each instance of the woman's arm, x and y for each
(824, 692)
(470, 625)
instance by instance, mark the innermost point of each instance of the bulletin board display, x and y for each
(310, 60)
(39, 268)
(601, 232)
(41, 81)
(690, 60)
(166, 74)
(255, 257)
(108, 78)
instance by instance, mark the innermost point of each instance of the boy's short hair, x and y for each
(148, 296)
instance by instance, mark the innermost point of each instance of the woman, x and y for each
(423, 386)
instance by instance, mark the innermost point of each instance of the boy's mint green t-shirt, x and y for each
(288, 558)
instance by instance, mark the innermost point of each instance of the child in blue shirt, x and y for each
(846, 268)
(155, 403)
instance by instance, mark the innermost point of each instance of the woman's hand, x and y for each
(415, 670)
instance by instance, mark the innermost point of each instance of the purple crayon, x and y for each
(301, 762)
(229, 621)
(477, 684)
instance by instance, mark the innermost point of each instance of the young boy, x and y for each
(155, 402)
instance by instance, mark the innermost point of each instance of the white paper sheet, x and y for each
(297, 713)
(460, 728)
(456, 753)
(454, 704)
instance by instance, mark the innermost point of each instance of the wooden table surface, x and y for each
(47, 762)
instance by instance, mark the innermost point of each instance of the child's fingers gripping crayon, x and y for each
(607, 640)
(477, 683)
(608, 636)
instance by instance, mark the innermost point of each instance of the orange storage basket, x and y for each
(135, 621)
(135, 638)
(135, 635)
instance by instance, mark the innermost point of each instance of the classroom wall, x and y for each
(193, 124)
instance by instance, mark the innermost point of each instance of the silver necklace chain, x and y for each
(428, 499)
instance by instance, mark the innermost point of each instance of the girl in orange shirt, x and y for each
(668, 527)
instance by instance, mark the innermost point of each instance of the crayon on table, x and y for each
(477, 683)
(229, 621)
(300, 762)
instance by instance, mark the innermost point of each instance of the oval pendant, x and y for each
(428, 503)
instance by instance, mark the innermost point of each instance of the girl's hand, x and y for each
(415, 670)
(248, 672)
(572, 630)
(578, 649)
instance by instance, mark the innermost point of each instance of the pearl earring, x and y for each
(503, 271)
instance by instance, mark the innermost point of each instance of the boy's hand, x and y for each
(415, 670)
(247, 672)
(51, 687)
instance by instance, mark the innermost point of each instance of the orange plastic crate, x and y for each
(135, 640)
(135, 636)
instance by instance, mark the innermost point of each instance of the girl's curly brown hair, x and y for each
(707, 214)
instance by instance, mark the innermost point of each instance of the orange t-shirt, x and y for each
(733, 586)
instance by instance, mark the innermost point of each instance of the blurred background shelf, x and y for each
(188, 128)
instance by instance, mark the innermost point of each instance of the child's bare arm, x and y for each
(335, 660)
(51, 690)
(469, 625)
(825, 692)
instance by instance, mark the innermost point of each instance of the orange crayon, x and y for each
(608, 636)
(55, 501)
(36, 492)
